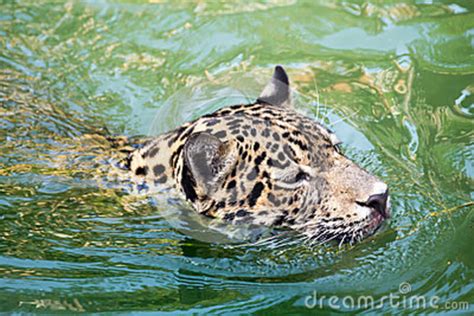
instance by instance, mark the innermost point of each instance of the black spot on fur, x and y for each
(235, 123)
(271, 198)
(180, 131)
(290, 152)
(163, 179)
(158, 169)
(237, 106)
(231, 185)
(280, 165)
(175, 155)
(188, 184)
(229, 216)
(299, 143)
(220, 134)
(152, 152)
(274, 200)
(234, 172)
(241, 213)
(212, 122)
(279, 220)
(224, 112)
(186, 135)
(255, 194)
(260, 158)
(253, 174)
(141, 171)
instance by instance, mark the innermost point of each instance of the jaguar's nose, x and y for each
(378, 199)
(379, 202)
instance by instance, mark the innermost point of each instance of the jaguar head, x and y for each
(264, 163)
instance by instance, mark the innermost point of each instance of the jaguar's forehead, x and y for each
(248, 115)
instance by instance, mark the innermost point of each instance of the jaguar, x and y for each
(264, 163)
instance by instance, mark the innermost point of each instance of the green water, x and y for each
(394, 80)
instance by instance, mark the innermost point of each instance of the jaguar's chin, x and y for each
(352, 232)
(374, 224)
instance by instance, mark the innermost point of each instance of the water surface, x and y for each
(394, 80)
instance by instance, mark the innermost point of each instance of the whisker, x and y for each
(343, 119)
(318, 104)
(317, 237)
(341, 242)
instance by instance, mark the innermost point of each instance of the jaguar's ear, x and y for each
(277, 91)
(208, 160)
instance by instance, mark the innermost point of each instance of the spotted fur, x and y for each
(263, 163)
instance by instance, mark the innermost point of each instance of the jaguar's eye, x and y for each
(301, 176)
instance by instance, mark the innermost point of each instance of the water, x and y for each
(395, 81)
